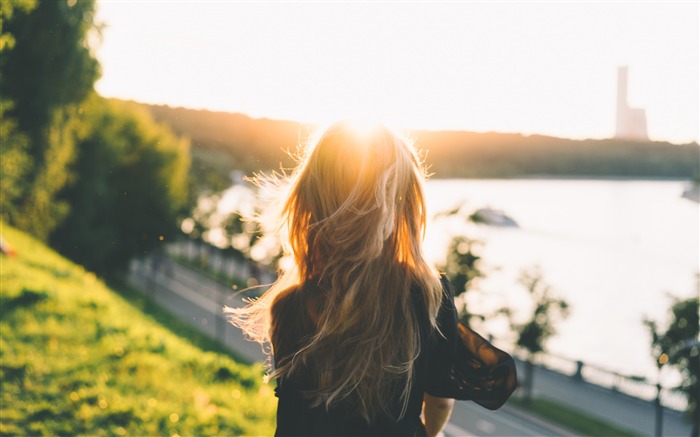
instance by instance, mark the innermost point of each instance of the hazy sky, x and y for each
(545, 67)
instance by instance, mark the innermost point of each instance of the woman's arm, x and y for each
(436, 413)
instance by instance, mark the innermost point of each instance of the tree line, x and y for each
(263, 144)
(96, 178)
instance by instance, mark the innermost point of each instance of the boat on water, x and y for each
(692, 192)
(493, 217)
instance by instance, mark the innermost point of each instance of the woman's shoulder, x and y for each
(291, 319)
(295, 299)
(285, 299)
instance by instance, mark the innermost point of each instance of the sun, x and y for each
(363, 127)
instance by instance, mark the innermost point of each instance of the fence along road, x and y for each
(199, 300)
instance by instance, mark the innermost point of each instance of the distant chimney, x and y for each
(631, 122)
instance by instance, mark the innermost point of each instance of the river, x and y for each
(615, 250)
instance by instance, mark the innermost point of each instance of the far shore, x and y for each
(569, 177)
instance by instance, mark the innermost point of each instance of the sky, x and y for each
(531, 67)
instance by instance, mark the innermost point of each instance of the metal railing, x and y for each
(221, 263)
(634, 386)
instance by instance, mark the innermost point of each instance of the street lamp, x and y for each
(663, 359)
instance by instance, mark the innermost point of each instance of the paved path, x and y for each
(618, 408)
(199, 300)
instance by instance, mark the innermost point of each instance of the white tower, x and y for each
(631, 122)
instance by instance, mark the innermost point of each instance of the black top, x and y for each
(458, 364)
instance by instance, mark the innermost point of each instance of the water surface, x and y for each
(614, 249)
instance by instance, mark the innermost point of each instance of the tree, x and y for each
(679, 346)
(461, 268)
(51, 64)
(534, 333)
(7, 10)
(462, 263)
(241, 233)
(129, 190)
(236, 233)
(48, 69)
(15, 162)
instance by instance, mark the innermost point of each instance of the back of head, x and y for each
(357, 196)
(355, 216)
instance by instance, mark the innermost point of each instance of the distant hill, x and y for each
(487, 155)
(262, 144)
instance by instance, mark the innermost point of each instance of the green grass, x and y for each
(77, 358)
(576, 421)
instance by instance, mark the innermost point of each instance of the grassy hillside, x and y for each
(78, 358)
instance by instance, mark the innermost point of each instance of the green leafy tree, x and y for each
(7, 10)
(15, 162)
(548, 309)
(51, 64)
(48, 69)
(129, 191)
(534, 333)
(462, 268)
(210, 172)
(242, 234)
(679, 346)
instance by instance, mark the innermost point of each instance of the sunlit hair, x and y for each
(353, 220)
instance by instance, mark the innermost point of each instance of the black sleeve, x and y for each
(463, 365)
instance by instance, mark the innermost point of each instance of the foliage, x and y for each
(241, 233)
(47, 70)
(51, 64)
(130, 188)
(15, 164)
(679, 347)
(78, 359)
(533, 334)
(494, 155)
(41, 210)
(7, 10)
(461, 268)
(234, 232)
(210, 172)
(261, 144)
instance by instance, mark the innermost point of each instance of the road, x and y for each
(469, 419)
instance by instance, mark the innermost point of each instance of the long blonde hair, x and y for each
(353, 221)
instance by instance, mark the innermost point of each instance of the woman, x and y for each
(364, 333)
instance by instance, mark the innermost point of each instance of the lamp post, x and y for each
(693, 347)
(663, 359)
